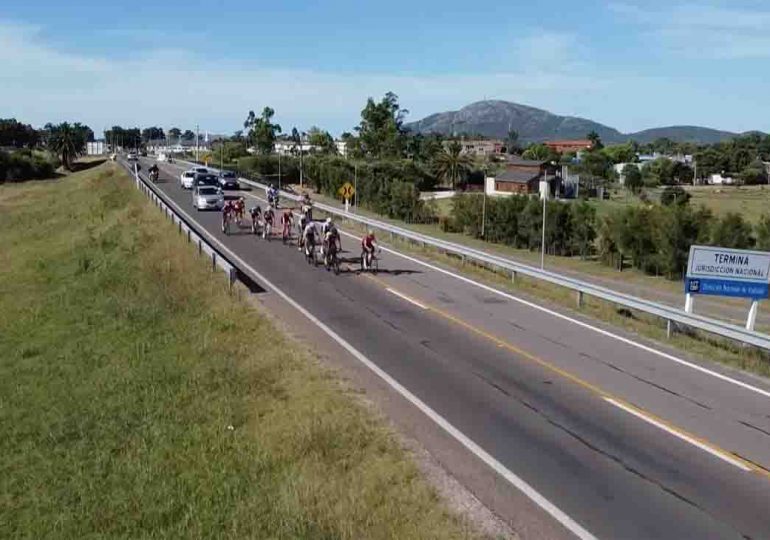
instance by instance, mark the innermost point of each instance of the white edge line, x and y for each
(681, 436)
(405, 297)
(601, 331)
(459, 436)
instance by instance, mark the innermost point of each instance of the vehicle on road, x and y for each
(228, 180)
(186, 179)
(206, 179)
(200, 170)
(132, 156)
(208, 198)
(162, 157)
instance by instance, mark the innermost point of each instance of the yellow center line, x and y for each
(608, 396)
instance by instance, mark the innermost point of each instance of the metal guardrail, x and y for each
(670, 314)
(217, 260)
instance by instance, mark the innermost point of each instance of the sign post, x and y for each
(728, 272)
(346, 192)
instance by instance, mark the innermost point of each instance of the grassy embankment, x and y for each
(139, 399)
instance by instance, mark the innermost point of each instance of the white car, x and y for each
(131, 157)
(208, 198)
(162, 157)
(200, 170)
(187, 179)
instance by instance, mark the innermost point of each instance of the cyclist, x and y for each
(154, 172)
(255, 212)
(287, 220)
(331, 241)
(308, 237)
(324, 229)
(272, 196)
(226, 212)
(307, 206)
(268, 216)
(239, 206)
(301, 226)
(368, 245)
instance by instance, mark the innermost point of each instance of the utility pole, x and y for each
(279, 171)
(301, 173)
(221, 155)
(542, 242)
(484, 206)
(355, 185)
(197, 135)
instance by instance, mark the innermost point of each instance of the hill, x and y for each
(495, 118)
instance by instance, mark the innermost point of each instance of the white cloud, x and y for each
(174, 87)
(704, 30)
(168, 86)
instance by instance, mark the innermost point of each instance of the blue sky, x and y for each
(628, 64)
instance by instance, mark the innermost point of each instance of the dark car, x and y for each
(206, 179)
(228, 180)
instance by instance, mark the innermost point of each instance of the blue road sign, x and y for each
(726, 287)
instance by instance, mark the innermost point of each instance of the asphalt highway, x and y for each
(625, 440)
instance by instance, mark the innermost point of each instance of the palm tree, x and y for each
(67, 142)
(451, 163)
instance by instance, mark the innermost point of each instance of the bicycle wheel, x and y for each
(336, 264)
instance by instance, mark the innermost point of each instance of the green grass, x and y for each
(749, 201)
(139, 399)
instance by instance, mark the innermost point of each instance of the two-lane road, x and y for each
(625, 441)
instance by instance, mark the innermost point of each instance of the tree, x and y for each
(620, 153)
(381, 132)
(754, 173)
(175, 133)
(540, 152)
(452, 164)
(262, 131)
(512, 142)
(583, 228)
(763, 233)
(632, 177)
(732, 231)
(596, 141)
(322, 140)
(674, 195)
(152, 134)
(16, 134)
(658, 172)
(67, 141)
(188, 135)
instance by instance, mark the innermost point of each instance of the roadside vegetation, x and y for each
(138, 398)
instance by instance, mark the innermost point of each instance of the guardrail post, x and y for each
(213, 261)
(189, 237)
(669, 328)
(752, 318)
(513, 277)
(200, 246)
(180, 226)
(579, 299)
(231, 279)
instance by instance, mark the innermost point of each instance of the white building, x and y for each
(618, 168)
(717, 179)
(342, 148)
(96, 148)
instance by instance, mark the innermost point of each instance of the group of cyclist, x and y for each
(330, 242)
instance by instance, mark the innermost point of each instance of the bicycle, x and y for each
(286, 233)
(267, 230)
(331, 260)
(254, 226)
(310, 254)
(370, 261)
(226, 225)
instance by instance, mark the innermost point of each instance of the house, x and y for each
(566, 146)
(289, 147)
(342, 147)
(96, 148)
(522, 177)
(618, 167)
(482, 147)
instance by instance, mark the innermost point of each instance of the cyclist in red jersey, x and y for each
(368, 245)
(287, 220)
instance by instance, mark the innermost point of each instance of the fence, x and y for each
(184, 228)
